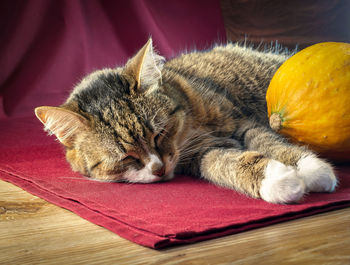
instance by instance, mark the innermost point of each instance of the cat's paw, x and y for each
(281, 184)
(317, 174)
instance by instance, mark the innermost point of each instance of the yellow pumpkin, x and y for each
(308, 99)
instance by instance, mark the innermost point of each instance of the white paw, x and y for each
(317, 174)
(281, 184)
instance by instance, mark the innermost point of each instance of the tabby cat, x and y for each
(201, 113)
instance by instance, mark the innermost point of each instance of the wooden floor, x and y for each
(33, 231)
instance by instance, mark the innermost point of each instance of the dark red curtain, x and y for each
(47, 46)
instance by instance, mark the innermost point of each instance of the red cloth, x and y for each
(155, 215)
(47, 46)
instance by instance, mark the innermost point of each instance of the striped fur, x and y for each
(201, 113)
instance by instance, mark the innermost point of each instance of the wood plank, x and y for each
(33, 231)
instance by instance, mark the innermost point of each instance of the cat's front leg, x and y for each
(253, 174)
(317, 174)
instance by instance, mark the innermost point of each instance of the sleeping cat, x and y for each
(201, 113)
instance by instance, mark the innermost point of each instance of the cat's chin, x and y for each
(140, 178)
(133, 176)
(137, 177)
(146, 178)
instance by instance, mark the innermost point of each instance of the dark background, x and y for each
(302, 22)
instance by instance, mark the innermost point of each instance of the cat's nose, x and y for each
(159, 172)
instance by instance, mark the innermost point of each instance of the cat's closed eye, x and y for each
(130, 158)
(95, 166)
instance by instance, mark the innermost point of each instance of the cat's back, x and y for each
(240, 73)
(227, 63)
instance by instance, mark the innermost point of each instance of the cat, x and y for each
(201, 113)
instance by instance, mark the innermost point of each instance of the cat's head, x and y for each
(118, 124)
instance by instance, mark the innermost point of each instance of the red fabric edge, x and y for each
(138, 236)
(152, 240)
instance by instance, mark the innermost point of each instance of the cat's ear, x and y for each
(145, 67)
(63, 123)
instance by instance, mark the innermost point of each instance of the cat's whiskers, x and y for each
(152, 120)
(197, 134)
(161, 125)
(195, 142)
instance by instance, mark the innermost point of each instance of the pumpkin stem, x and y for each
(275, 122)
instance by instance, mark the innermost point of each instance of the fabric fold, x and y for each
(184, 210)
(46, 49)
